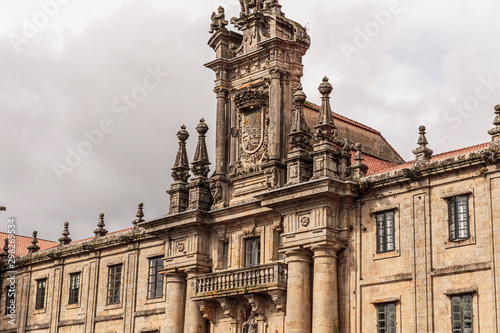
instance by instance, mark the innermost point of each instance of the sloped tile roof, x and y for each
(377, 166)
(22, 243)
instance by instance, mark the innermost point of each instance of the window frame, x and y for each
(453, 218)
(461, 298)
(113, 291)
(155, 280)
(281, 255)
(74, 290)
(386, 307)
(385, 228)
(225, 255)
(40, 294)
(252, 257)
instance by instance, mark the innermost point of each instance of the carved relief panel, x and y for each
(253, 127)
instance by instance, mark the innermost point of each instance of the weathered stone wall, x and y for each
(426, 267)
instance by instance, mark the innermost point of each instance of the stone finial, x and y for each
(180, 171)
(299, 137)
(5, 252)
(422, 153)
(325, 116)
(200, 163)
(2, 209)
(100, 231)
(359, 169)
(33, 248)
(65, 240)
(325, 129)
(139, 215)
(495, 132)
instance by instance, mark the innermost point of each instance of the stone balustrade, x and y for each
(241, 281)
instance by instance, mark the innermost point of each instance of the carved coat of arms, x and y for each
(253, 124)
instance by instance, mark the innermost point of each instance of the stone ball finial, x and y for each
(422, 129)
(325, 88)
(66, 224)
(358, 146)
(497, 109)
(299, 96)
(202, 127)
(183, 135)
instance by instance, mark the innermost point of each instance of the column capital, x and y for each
(174, 276)
(326, 250)
(221, 92)
(192, 272)
(297, 255)
(276, 73)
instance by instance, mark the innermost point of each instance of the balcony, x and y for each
(257, 279)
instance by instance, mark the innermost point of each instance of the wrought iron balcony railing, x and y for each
(241, 281)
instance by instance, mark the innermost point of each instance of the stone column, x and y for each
(194, 321)
(325, 295)
(221, 137)
(274, 115)
(298, 303)
(175, 302)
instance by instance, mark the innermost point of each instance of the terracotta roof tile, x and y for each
(376, 166)
(22, 243)
(354, 123)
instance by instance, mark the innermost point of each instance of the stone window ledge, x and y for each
(454, 292)
(386, 300)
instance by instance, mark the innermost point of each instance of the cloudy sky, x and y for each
(68, 65)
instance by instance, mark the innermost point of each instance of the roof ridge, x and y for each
(341, 117)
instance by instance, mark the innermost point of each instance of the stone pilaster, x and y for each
(298, 303)
(325, 310)
(274, 115)
(221, 135)
(194, 320)
(179, 194)
(175, 302)
(299, 160)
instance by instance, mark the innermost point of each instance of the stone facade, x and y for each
(311, 222)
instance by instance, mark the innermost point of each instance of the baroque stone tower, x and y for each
(257, 71)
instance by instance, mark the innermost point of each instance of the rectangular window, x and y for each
(225, 255)
(385, 232)
(386, 318)
(252, 252)
(461, 314)
(458, 217)
(74, 288)
(281, 255)
(155, 281)
(9, 299)
(40, 294)
(114, 284)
